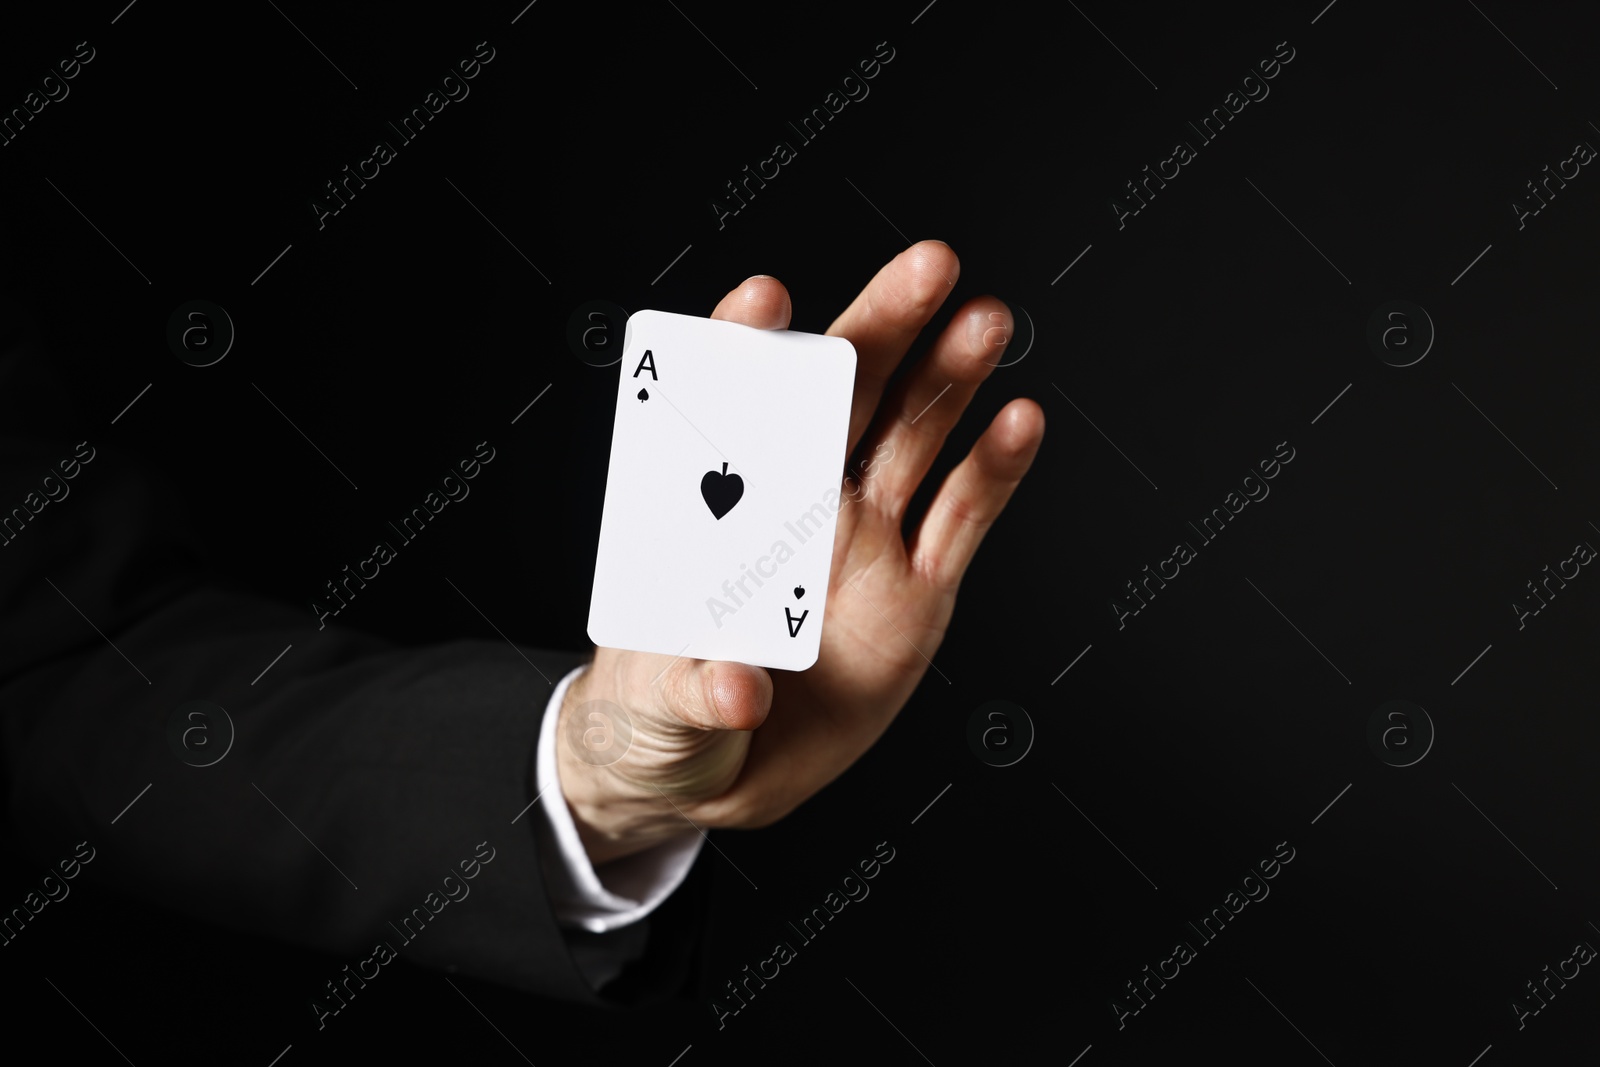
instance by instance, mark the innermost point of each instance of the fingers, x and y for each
(887, 316)
(925, 405)
(975, 493)
(761, 301)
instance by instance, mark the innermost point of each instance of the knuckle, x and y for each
(974, 514)
(684, 693)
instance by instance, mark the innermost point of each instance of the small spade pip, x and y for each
(644, 394)
(721, 491)
(799, 591)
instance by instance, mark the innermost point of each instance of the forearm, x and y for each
(360, 776)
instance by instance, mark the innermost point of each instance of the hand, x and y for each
(731, 745)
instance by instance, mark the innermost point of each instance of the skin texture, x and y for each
(721, 744)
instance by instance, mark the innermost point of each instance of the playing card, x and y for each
(723, 491)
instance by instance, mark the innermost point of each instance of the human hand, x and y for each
(724, 744)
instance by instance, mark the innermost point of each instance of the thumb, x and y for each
(714, 694)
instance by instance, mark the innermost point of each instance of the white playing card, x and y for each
(723, 491)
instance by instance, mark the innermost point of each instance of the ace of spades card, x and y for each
(723, 491)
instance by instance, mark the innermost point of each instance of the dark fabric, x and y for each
(360, 776)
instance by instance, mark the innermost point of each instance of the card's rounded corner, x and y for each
(627, 327)
(816, 654)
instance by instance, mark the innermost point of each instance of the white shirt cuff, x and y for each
(624, 890)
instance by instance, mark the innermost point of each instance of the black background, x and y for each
(1196, 338)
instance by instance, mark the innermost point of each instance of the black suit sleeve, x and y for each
(371, 795)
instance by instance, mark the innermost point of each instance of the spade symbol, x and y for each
(721, 491)
(643, 395)
(799, 591)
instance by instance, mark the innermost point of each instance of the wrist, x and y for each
(613, 815)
